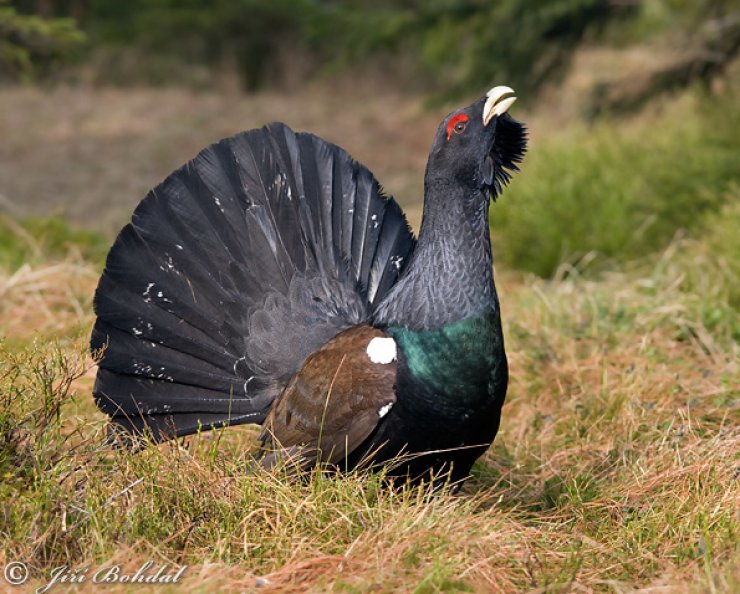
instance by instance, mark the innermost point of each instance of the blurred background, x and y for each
(632, 107)
(617, 253)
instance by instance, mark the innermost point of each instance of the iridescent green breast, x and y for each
(463, 361)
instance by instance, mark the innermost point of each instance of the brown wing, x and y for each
(332, 404)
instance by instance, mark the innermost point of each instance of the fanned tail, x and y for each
(231, 272)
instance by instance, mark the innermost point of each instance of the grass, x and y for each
(39, 240)
(620, 189)
(615, 468)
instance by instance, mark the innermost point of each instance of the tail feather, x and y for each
(148, 398)
(156, 325)
(363, 189)
(162, 427)
(165, 365)
(390, 254)
(232, 271)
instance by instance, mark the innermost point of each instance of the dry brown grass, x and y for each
(615, 469)
(46, 300)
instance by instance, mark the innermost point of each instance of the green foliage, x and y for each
(619, 190)
(704, 37)
(463, 45)
(38, 240)
(248, 32)
(458, 45)
(724, 242)
(451, 47)
(718, 258)
(31, 45)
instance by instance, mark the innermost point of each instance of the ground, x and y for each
(615, 469)
(74, 151)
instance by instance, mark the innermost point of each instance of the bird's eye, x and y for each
(457, 124)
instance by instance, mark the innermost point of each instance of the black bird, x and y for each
(271, 281)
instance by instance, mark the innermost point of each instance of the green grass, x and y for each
(38, 240)
(615, 468)
(620, 189)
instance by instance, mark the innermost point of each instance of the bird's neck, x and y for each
(449, 277)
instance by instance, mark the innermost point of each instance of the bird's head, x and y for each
(480, 145)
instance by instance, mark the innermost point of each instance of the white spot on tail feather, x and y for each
(381, 350)
(384, 410)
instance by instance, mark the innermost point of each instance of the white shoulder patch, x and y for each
(381, 350)
(384, 410)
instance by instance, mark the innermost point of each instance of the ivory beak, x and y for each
(497, 103)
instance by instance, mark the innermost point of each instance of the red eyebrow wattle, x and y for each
(460, 117)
